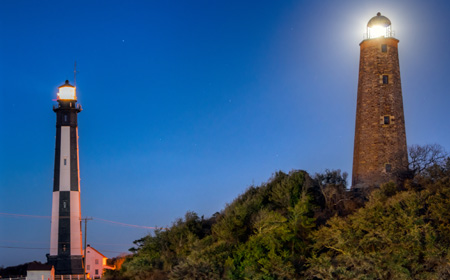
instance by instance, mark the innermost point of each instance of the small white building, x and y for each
(37, 271)
(95, 263)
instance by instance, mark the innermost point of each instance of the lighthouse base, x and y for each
(65, 265)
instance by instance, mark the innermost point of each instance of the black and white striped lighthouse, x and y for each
(65, 240)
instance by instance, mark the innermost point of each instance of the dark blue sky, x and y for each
(187, 103)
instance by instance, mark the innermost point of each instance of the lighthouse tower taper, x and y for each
(380, 152)
(65, 240)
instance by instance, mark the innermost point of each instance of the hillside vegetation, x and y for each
(299, 227)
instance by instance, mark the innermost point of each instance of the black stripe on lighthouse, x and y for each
(64, 223)
(56, 176)
(73, 158)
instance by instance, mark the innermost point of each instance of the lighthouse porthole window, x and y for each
(387, 120)
(388, 167)
(383, 48)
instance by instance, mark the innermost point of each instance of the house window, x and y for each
(96, 272)
(384, 48)
(96, 261)
(388, 167)
(387, 120)
(385, 79)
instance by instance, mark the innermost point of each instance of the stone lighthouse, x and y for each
(380, 152)
(65, 239)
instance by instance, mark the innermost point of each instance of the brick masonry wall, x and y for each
(378, 144)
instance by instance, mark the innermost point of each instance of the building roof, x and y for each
(89, 246)
(39, 266)
(66, 84)
(379, 20)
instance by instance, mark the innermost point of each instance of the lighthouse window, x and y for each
(387, 120)
(388, 167)
(65, 161)
(385, 79)
(65, 118)
(64, 205)
(384, 48)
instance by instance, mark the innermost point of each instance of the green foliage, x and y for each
(296, 227)
(397, 235)
(262, 234)
(278, 246)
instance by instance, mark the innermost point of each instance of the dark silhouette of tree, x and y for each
(423, 157)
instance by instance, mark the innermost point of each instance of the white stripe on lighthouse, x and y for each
(75, 224)
(54, 225)
(64, 165)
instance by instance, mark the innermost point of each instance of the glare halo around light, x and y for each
(377, 31)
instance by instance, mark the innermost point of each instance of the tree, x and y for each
(337, 199)
(423, 157)
(403, 235)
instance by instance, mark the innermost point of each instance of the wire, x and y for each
(25, 216)
(48, 217)
(17, 241)
(115, 252)
(93, 242)
(111, 244)
(12, 247)
(126, 225)
(34, 248)
(98, 219)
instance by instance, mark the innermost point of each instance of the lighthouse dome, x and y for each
(379, 20)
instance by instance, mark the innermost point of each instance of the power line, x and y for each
(126, 225)
(14, 247)
(111, 244)
(94, 218)
(25, 216)
(24, 242)
(42, 242)
(35, 248)
(114, 252)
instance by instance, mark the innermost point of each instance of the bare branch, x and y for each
(423, 157)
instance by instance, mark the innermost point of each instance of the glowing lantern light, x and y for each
(379, 26)
(67, 92)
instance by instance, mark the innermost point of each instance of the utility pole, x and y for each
(85, 238)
